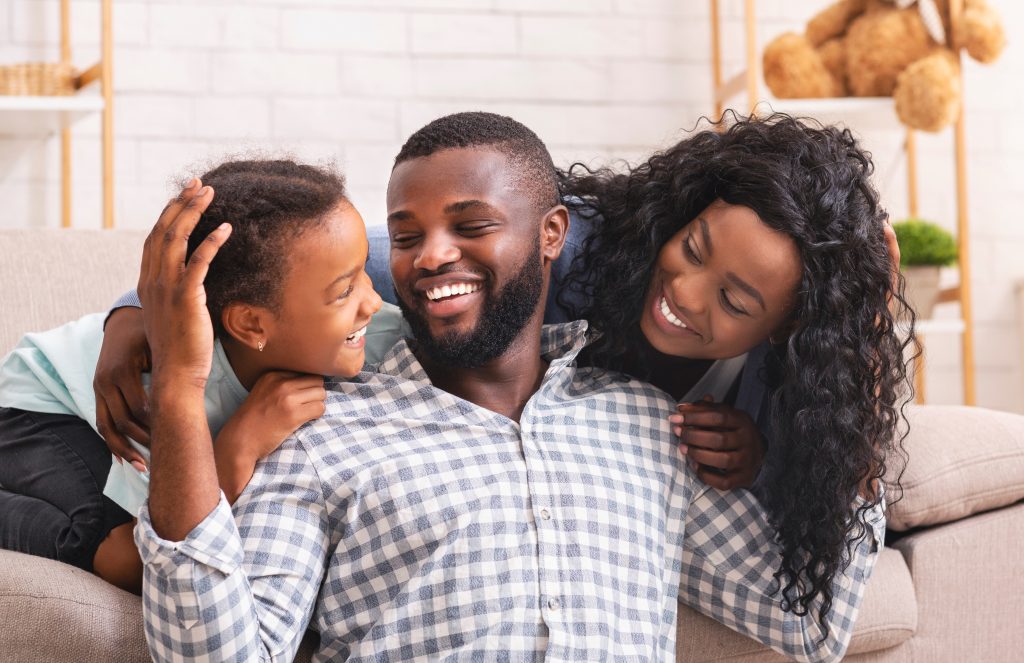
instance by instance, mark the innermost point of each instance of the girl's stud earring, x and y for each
(259, 345)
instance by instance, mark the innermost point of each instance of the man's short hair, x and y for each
(526, 153)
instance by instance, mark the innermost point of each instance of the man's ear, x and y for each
(247, 324)
(554, 228)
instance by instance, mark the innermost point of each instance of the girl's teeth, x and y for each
(670, 316)
(357, 335)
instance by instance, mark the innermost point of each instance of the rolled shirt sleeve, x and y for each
(729, 564)
(241, 586)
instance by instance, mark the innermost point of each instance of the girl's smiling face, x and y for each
(327, 300)
(721, 285)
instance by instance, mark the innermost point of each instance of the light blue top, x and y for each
(52, 372)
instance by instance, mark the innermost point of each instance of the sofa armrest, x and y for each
(961, 461)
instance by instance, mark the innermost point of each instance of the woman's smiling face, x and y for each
(721, 285)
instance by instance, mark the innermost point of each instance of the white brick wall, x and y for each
(348, 80)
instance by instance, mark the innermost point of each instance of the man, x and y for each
(477, 497)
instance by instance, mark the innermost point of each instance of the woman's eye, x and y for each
(691, 251)
(730, 306)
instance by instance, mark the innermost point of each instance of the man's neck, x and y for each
(502, 385)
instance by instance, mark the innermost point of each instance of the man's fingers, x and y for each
(199, 263)
(167, 216)
(175, 238)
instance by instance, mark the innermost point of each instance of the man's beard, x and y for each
(502, 317)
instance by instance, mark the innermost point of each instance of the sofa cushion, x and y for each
(51, 276)
(961, 461)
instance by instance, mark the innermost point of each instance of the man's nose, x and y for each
(435, 251)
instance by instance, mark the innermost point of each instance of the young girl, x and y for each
(290, 302)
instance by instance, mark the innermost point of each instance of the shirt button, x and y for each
(554, 604)
(545, 514)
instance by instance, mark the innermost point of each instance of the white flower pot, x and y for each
(922, 289)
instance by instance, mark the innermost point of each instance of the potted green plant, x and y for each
(924, 248)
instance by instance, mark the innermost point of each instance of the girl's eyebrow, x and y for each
(706, 234)
(347, 275)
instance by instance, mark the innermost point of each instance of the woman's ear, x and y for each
(781, 334)
(247, 324)
(554, 228)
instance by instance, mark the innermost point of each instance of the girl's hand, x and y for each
(122, 408)
(723, 444)
(278, 404)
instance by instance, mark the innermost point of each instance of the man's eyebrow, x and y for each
(400, 215)
(706, 234)
(463, 205)
(747, 288)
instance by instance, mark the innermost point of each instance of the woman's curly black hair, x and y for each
(839, 379)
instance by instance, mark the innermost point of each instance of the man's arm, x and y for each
(203, 595)
(240, 588)
(729, 560)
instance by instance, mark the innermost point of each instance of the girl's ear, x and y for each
(554, 228)
(247, 324)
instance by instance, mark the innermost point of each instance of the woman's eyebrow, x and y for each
(747, 288)
(706, 234)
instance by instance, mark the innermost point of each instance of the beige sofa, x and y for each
(950, 589)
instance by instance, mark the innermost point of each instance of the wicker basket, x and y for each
(37, 79)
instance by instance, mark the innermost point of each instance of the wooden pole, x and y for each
(911, 149)
(964, 249)
(65, 133)
(716, 60)
(753, 71)
(107, 83)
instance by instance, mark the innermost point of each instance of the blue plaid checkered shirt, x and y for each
(442, 530)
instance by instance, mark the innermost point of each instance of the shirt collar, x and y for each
(559, 346)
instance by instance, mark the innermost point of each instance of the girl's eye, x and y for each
(730, 306)
(347, 292)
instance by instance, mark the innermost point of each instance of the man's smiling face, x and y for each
(465, 253)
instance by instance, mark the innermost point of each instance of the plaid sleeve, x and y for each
(729, 560)
(242, 587)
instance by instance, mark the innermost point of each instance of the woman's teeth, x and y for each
(357, 335)
(670, 316)
(443, 291)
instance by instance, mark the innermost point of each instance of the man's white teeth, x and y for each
(443, 291)
(357, 335)
(670, 316)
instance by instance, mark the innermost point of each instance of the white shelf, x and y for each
(939, 326)
(40, 116)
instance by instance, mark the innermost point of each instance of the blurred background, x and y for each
(599, 80)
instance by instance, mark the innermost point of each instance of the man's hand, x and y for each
(174, 313)
(122, 408)
(278, 404)
(724, 446)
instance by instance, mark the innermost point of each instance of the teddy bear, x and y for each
(898, 48)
